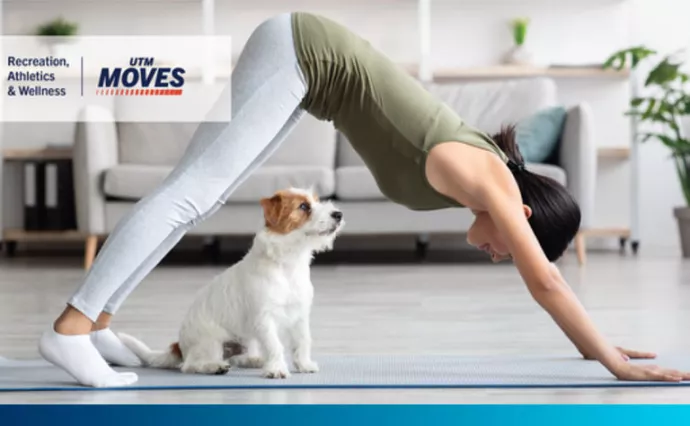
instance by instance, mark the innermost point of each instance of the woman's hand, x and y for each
(636, 372)
(626, 354)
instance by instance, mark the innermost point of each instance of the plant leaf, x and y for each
(637, 101)
(679, 147)
(676, 145)
(618, 59)
(639, 54)
(650, 109)
(683, 105)
(663, 73)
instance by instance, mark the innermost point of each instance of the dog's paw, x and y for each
(276, 372)
(308, 366)
(217, 368)
(222, 369)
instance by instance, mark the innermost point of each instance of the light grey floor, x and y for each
(468, 309)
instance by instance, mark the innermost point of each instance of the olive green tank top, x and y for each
(390, 119)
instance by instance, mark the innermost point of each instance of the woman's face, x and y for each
(484, 235)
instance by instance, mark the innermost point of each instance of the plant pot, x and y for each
(61, 50)
(519, 55)
(682, 215)
(60, 47)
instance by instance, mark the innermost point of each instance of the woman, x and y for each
(421, 153)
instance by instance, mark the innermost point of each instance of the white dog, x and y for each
(261, 301)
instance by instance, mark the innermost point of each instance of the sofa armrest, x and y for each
(95, 150)
(578, 157)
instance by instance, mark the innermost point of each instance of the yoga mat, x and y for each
(361, 371)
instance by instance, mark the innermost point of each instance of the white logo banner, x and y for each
(135, 78)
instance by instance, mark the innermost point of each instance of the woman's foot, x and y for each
(68, 346)
(113, 350)
(79, 357)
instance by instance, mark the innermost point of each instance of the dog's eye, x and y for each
(304, 206)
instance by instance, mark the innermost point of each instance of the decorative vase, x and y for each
(57, 50)
(519, 55)
(682, 215)
(60, 47)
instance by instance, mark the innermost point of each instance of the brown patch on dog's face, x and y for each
(286, 211)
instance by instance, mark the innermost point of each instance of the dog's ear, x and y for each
(272, 209)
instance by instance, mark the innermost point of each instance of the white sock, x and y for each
(79, 357)
(113, 350)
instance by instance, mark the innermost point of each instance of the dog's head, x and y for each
(300, 216)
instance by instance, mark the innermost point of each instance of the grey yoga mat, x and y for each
(361, 371)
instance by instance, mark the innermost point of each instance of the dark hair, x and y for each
(555, 215)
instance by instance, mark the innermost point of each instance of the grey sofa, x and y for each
(117, 163)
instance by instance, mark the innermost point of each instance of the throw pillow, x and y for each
(538, 135)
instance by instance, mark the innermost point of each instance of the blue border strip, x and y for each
(337, 415)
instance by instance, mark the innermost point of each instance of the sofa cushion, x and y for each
(132, 181)
(155, 144)
(311, 142)
(554, 172)
(159, 143)
(347, 156)
(489, 105)
(356, 183)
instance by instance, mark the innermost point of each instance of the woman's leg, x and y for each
(267, 88)
(123, 292)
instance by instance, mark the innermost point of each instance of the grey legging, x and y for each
(266, 89)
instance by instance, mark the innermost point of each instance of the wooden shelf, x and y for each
(21, 235)
(52, 153)
(614, 153)
(606, 232)
(506, 71)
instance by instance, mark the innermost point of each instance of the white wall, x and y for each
(464, 33)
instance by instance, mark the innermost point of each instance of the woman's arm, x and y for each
(460, 171)
(550, 291)
(544, 282)
(626, 354)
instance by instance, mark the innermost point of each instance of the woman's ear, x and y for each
(528, 211)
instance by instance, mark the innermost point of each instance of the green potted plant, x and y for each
(663, 106)
(57, 33)
(519, 53)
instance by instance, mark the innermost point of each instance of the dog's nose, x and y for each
(338, 216)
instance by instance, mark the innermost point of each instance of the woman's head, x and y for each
(551, 211)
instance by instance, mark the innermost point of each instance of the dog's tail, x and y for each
(170, 358)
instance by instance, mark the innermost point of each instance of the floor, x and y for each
(465, 308)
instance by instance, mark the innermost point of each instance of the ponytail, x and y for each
(555, 215)
(507, 142)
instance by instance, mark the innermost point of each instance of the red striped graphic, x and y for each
(139, 92)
